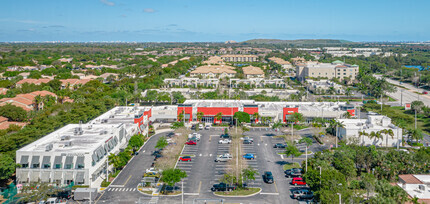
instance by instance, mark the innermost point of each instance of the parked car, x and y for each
(157, 156)
(425, 92)
(207, 127)
(294, 172)
(201, 126)
(185, 158)
(191, 142)
(247, 142)
(248, 156)
(156, 152)
(223, 158)
(152, 174)
(154, 170)
(247, 138)
(224, 141)
(194, 135)
(223, 187)
(268, 177)
(279, 145)
(302, 194)
(225, 136)
(298, 181)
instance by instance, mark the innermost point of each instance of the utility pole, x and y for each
(306, 153)
(337, 130)
(415, 119)
(107, 169)
(182, 188)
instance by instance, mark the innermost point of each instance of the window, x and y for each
(57, 166)
(68, 166)
(35, 166)
(80, 166)
(47, 166)
(344, 73)
(24, 165)
(344, 70)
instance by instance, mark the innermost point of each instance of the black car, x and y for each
(279, 145)
(225, 136)
(223, 187)
(294, 172)
(157, 156)
(156, 152)
(247, 142)
(268, 177)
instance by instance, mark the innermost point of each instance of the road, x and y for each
(123, 188)
(409, 94)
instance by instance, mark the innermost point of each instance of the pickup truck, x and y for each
(223, 158)
(223, 187)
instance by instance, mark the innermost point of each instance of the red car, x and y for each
(298, 181)
(185, 158)
(191, 142)
(425, 92)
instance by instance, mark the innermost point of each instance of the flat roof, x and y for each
(83, 138)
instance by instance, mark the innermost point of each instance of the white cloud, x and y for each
(108, 3)
(148, 10)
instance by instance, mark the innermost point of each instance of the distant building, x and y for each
(191, 82)
(282, 62)
(214, 71)
(253, 72)
(26, 101)
(32, 81)
(373, 123)
(67, 60)
(73, 83)
(336, 69)
(214, 60)
(240, 58)
(4, 123)
(323, 86)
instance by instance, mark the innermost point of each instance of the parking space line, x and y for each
(276, 187)
(200, 186)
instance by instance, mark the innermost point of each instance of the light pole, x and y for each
(340, 198)
(182, 188)
(337, 130)
(320, 174)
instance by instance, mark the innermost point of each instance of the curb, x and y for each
(178, 157)
(131, 159)
(231, 196)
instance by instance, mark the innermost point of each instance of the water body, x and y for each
(419, 67)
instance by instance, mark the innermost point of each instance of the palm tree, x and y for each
(375, 135)
(256, 116)
(200, 116)
(361, 134)
(38, 100)
(218, 116)
(181, 116)
(387, 132)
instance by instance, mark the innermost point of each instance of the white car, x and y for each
(207, 127)
(201, 126)
(247, 138)
(224, 141)
(223, 158)
(152, 170)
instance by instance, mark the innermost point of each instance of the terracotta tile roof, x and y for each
(223, 56)
(409, 178)
(34, 81)
(25, 101)
(216, 69)
(3, 90)
(5, 125)
(3, 119)
(251, 70)
(279, 61)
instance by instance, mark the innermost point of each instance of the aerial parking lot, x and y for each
(210, 161)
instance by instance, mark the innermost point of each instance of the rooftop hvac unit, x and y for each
(65, 137)
(90, 127)
(111, 116)
(49, 147)
(104, 120)
(68, 144)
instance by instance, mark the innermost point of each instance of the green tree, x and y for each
(135, 141)
(416, 134)
(13, 113)
(249, 174)
(218, 116)
(242, 117)
(200, 116)
(256, 116)
(161, 143)
(417, 106)
(172, 176)
(7, 166)
(292, 150)
(296, 118)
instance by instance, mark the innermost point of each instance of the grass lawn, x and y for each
(147, 192)
(291, 165)
(238, 192)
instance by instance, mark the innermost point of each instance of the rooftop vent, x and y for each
(68, 144)
(111, 116)
(49, 147)
(104, 121)
(90, 127)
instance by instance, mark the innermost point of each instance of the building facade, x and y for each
(239, 58)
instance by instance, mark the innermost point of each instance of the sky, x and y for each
(213, 20)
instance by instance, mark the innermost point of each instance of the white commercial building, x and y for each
(78, 152)
(374, 123)
(74, 153)
(416, 186)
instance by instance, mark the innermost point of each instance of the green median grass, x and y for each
(291, 165)
(238, 192)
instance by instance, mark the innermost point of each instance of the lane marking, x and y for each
(276, 187)
(127, 180)
(191, 194)
(200, 186)
(269, 193)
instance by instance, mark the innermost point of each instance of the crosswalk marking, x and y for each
(121, 189)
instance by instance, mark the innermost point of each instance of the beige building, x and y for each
(214, 60)
(282, 62)
(214, 71)
(253, 72)
(336, 69)
(240, 58)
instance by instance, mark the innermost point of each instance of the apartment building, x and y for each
(214, 71)
(214, 60)
(26, 101)
(240, 58)
(258, 83)
(324, 86)
(416, 186)
(191, 82)
(285, 64)
(336, 69)
(32, 81)
(253, 72)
